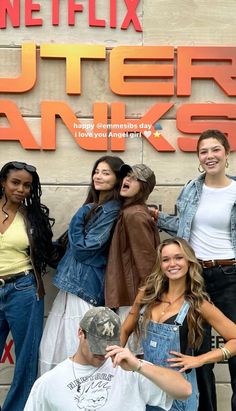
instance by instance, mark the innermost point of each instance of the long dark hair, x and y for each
(37, 213)
(115, 164)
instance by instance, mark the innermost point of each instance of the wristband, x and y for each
(226, 354)
(139, 366)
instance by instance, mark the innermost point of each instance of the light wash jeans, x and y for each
(158, 340)
(22, 314)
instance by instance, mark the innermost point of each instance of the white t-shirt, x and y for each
(210, 231)
(102, 389)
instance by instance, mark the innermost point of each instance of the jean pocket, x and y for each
(25, 283)
(156, 349)
(229, 270)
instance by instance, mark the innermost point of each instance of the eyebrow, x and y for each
(175, 255)
(19, 180)
(206, 148)
(103, 169)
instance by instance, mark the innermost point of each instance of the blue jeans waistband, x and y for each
(10, 278)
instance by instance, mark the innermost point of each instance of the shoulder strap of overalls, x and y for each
(182, 313)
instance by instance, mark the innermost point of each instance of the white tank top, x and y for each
(210, 231)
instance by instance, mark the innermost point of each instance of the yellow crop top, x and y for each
(14, 245)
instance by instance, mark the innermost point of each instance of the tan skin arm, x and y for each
(131, 320)
(224, 327)
(162, 377)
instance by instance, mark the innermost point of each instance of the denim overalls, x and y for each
(158, 340)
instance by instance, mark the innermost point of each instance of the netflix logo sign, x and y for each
(11, 10)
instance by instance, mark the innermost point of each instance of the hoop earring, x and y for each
(226, 163)
(200, 169)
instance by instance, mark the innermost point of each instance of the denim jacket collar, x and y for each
(199, 184)
(109, 206)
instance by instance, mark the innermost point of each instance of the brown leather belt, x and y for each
(216, 263)
(9, 279)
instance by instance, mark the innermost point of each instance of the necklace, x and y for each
(6, 216)
(170, 303)
(84, 378)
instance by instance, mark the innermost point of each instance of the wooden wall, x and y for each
(65, 172)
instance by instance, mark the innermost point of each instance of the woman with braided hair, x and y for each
(25, 250)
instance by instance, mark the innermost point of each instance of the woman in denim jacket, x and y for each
(80, 273)
(174, 307)
(207, 219)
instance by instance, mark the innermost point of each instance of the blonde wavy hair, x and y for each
(157, 283)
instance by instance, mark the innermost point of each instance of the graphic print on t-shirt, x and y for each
(92, 392)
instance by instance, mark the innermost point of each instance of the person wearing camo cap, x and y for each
(132, 253)
(99, 376)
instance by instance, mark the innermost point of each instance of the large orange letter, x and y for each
(73, 53)
(221, 115)
(223, 74)
(144, 125)
(18, 129)
(27, 79)
(94, 141)
(120, 71)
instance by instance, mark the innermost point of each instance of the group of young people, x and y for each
(165, 294)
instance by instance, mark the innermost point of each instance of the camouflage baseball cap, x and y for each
(141, 172)
(102, 328)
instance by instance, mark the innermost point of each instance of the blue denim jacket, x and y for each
(187, 204)
(82, 269)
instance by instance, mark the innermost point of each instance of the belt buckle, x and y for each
(2, 282)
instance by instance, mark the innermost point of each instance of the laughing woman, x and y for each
(25, 249)
(132, 252)
(207, 219)
(80, 274)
